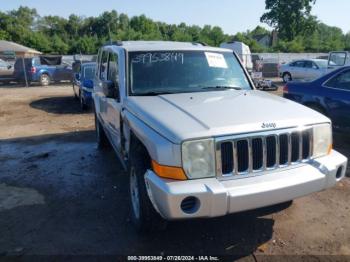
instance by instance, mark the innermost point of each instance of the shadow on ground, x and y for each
(58, 105)
(33, 84)
(85, 206)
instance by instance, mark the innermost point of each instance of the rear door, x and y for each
(101, 76)
(337, 99)
(298, 71)
(311, 70)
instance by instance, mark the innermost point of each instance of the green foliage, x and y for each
(290, 18)
(347, 41)
(58, 35)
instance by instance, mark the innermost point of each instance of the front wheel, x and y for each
(45, 80)
(143, 215)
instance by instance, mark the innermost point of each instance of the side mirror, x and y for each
(88, 83)
(110, 89)
(9, 66)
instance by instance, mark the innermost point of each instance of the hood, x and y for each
(180, 117)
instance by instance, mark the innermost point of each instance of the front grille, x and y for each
(266, 151)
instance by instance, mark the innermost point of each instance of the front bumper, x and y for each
(218, 198)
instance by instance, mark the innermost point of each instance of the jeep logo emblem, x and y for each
(268, 125)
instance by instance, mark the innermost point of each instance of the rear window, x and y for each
(89, 72)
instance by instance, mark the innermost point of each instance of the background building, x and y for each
(11, 49)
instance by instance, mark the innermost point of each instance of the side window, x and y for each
(314, 66)
(299, 64)
(341, 81)
(113, 69)
(103, 66)
(292, 64)
(308, 64)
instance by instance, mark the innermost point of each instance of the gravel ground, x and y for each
(59, 195)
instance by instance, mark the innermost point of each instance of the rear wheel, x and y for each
(287, 77)
(45, 80)
(143, 215)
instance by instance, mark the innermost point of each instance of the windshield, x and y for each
(89, 72)
(184, 71)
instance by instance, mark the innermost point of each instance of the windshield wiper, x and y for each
(222, 87)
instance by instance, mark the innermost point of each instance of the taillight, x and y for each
(285, 89)
(33, 69)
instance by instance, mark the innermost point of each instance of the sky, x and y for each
(231, 15)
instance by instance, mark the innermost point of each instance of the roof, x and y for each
(88, 64)
(167, 45)
(11, 46)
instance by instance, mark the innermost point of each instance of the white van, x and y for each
(243, 51)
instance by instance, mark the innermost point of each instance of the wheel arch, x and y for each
(158, 148)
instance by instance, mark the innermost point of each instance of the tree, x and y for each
(299, 31)
(347, 41)
(290, 18)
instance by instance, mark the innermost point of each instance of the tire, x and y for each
(101, 138)
(83, 106)
(287, 77)
(45, 80)
(143, 215)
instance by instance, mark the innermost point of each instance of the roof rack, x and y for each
(200, 43)
(118, 43)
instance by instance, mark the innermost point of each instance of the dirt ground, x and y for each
(59, 195)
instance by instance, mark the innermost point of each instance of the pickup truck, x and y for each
(198, 140)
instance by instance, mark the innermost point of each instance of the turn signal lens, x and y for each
(330, 148)
(168, 171)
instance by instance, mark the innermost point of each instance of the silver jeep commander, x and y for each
(196, 137)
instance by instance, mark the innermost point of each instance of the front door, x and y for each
(113, 104)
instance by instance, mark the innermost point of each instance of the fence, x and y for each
(268, 63)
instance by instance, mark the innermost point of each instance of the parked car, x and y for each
(329, 95)
(303, 70)
(43, 69)
(197, 139)
(83, 84)
(6, 72)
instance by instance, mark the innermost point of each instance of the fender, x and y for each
(159, 148)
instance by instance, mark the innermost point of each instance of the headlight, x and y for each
(198, 158)
(322, 140)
